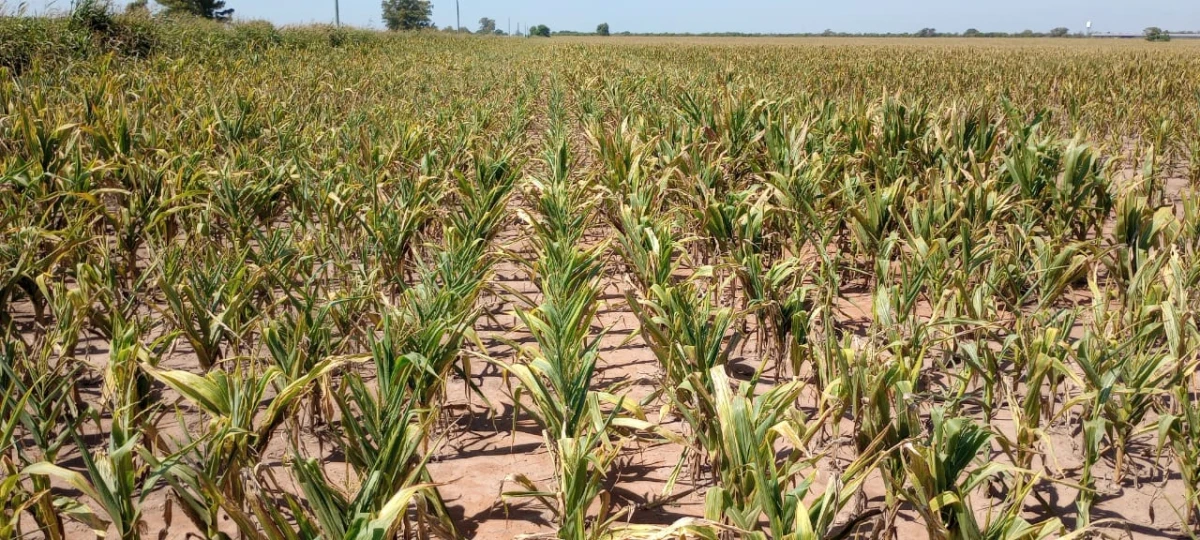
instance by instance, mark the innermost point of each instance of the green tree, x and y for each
(407, 14)
(971, 32)
(1155, 33)
(138, 7)
(540, 30)
(1060, 32)
(927, 32)
(209, 9)
(487, 26)
(602, 29)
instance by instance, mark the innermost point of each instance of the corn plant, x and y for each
(941, 480)
(649, 248)
(881, 397)
(754, 482)
(1140, 229)
(28, 253)
(384, 440)
(783, 305)
(115, 480)
(1125, 383)
(17, 498)
(213, 304)
(558, 375)
(42, 401)
(400, 210)
(880, 209)
(389, 462)
(685, 330)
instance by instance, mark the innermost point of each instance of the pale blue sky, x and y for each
(765, 16)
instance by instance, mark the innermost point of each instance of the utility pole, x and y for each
(457, 17)
(337, 14)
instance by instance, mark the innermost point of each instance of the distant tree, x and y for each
(828, 32)
(1026, 33)
(540, 30)
(927, 32)
(602, 29)
(138, 7)
(1060, 32)
(209, 9)
(93, 15)
(487, 26)
(1155, 33)
(971, 32)
(407, 14)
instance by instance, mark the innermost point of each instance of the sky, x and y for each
(751, 16)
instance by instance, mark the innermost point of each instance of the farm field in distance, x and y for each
(321, 283)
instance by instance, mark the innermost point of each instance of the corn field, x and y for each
(322, 283)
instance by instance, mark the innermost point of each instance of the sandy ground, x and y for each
(482, 447)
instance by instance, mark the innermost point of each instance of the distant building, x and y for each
(1117, 35)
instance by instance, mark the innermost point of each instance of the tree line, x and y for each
(208, 9)
(418, 15)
